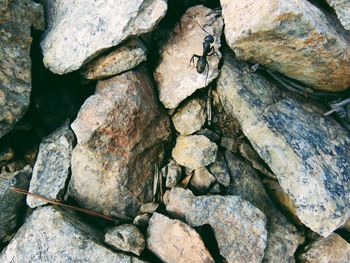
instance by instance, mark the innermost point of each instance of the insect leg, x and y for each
(192, 59)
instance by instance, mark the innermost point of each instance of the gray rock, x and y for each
(307, 152)
(342, 8)
(127, 238)
(292, 37)
(54, 235)
(142, 220)
(121, 134)
(219, 170)
(149, 208)
(6, 154)
(190, 118)
(211, 135)
(239, 227)
(194, 151)
(202, 179)
(282, 237)
(11, 203)
(229, 143)
(78, 31)
(119, 59)
(173, 174)
(175, 78)
(174, 241)
(17, 17)
(52, 167)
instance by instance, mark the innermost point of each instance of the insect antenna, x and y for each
(199, 25)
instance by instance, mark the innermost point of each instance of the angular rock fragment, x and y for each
(342, 8)
(292, 37)
(127, 238)
(175, 78)
(16, 19)
(219, 170)
(54, 235)
(149, 208)
(202, 179)
(308, 153)
(141, 220)
(121, 134)
(239, 227)
(75, 37)
(52, 167)
(11, 203)
(173, 174)
(174, 241)
(120, 59)
(194, 151)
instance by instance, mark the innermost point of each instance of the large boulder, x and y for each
(121, 133)
(292, 37)
(78, 31)
(16, 20)
(307, 152)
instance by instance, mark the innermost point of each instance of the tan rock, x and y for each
(202, 179)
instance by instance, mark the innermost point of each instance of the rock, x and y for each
(17, 17)
(11, 203)
(190, 118)
(229, 143)
(6, 154)
(127, 238)
(194, 151)
(174, 241)
(149, 208)
(282, 237)
(331, 249)
(142, 220)
(239, 227)
(119, 59)
(175, 78)
(121, 135)
(219, 170)
(211, 135)
(69, 42)
(292, 37)
(52, 168)
(202, 179)
(173, 174)
(54, 235)
(306, 151)
(342, 8)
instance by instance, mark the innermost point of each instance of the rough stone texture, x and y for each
(120, 59)
(175, 78)
(52, 168)
(292, 37)
(190, 118)
(174, 241)
(121, 134)
(142, 220)
(173, 174)
(282, 237)
(342, 8)
(6, 154)
(219, 170)
(11, 203)
(332, 249)
(202, 179)
(149, 208)
(54, 235)
(16, 19)
(239, 227)
(308, 153)
(78, 31)
(194, 151)
(127, 238)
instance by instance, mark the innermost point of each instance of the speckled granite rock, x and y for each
(52, 167)
(11, 203)
(16, 19)
(122, 58)
(78, 31)
(219, 170)
(173, 174)
(121, 134)
(342, 8)
(174, 241)
(54, 235)
(292, 37)
(239, 227)
(177, 81)
(308, 153)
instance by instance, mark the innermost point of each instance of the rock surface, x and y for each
(53, 235)
(78, 31)
(202, 179)
(127, 238)
(239, 227)
(292, 37)
(175, 78)
(173, 174)
(307, 152)
(120, 59)
(174, 241)
(121, 133)
(219, 170)
(16, 19)
(332, 249)
(342, 8)
(11, 203)
(194, 151)
(52, 167)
